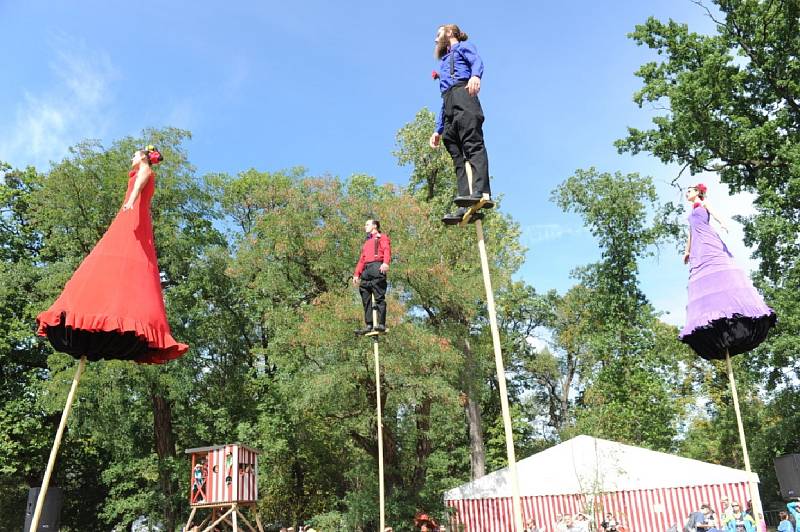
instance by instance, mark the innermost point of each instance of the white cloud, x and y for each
(73, 107)
(538, 233)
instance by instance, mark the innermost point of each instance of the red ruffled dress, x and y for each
(112, 307)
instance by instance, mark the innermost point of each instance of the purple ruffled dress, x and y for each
(725, 312)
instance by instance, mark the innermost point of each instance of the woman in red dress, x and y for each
(112, 307)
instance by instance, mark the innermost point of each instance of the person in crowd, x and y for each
(739, 520)
(726, 510)
(531, 525)
(568, 525)
(794, 511)
(609, 523)
(784, 525)
(581, 521)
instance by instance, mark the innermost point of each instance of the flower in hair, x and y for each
(435, 74)
(701, 188)
(155, 156)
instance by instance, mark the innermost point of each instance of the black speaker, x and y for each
(787, 467)
(50, 519)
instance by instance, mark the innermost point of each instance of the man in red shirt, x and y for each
(370, 275)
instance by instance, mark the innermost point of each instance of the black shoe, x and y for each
(458, 216)
(380, 328)
(466, 201)
(469, 201)
(365, 330)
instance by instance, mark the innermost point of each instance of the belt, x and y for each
(462, 83)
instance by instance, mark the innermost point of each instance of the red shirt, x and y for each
(376, 247)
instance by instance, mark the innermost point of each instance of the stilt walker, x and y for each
(112, 306)
(460, 125)
(370, 277)
(725, 315)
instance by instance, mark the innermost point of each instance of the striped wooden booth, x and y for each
(647, 491)
(223, 477)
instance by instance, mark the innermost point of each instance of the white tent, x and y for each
(649, 490)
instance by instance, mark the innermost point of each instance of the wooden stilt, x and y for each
(755, 498)
(501, 372)
(37, 513)
(234, 518)
(258, 521)
(376, 354)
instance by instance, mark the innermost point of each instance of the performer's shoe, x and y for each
(455, 219)
(380, 328)
(488, 202)
(466, 201)
(469, 201)
(365, 330)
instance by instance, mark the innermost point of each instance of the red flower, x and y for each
(701, 188)
(435, 74)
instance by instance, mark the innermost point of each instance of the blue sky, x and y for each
(326, 85)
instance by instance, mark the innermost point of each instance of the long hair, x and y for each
(444, 44)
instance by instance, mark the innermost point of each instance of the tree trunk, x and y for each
(423, 446)
(165, 449)
(472, 408)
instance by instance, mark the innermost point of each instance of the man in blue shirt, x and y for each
(460, 120)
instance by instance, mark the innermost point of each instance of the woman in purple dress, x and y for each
(725, 313)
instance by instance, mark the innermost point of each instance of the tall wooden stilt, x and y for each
(754, 496)
(376, 354)
(501, 372)
(37, 513)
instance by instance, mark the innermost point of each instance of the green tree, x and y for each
(729, 102)
(630, 377)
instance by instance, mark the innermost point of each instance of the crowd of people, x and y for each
(732, 517)
(578, 522)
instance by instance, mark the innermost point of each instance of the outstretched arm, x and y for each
(141, 180)
(714, 215)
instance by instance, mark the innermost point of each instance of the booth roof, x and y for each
(215, 447)
(591, 465)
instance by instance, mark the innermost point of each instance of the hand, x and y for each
(474, 86)
(128, 205)
(686, 258)
(384, 268)
(434, 141)
(356, 280)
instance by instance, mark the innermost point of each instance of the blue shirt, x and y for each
(467, 63)
(785, 526)
(795, 511)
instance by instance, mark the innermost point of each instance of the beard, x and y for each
(441, 47)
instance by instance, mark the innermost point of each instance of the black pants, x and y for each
(373, 282)
(463, 138)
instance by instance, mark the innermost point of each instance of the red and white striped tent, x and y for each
(647, 490)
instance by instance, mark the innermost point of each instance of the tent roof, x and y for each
(591, 465)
